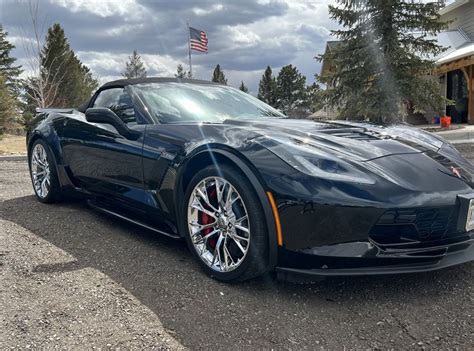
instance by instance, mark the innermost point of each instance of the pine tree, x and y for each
(56, 63)
(8, 69)
(218, 75)
(69, 82)
(243, 87)
(314, 97)
(382, 64)
(134, 67)
(8, 105)
(182, 73)
(88, 85)
(291, 89)
(267, 88)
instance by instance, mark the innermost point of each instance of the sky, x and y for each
(245, 36)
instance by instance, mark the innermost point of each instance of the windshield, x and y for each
(188, 102)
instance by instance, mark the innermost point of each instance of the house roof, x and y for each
(464, 51)
(452, 6)
(331, 44)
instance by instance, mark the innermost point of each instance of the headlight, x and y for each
(311, 160)
(331, 170)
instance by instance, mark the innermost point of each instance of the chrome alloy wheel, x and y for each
(40, 171)
(218, 224)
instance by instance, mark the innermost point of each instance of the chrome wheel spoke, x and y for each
(226, 257)
(239, 227)
(239, 237)
(239, 224)
(228, 203)
(218, 190)
(198, 206)
(218, 250)
(202, 193)
(227, 253)
(239, 245)
(200, 227)
(199, 239)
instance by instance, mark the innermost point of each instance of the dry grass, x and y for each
(12, 145)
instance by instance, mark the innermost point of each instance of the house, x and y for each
(454, 67)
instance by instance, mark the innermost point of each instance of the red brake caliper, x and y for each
(206, 219)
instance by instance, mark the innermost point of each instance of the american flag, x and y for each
(198, 39)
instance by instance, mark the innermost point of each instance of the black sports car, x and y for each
(252, 191)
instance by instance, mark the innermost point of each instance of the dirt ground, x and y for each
(12, 145)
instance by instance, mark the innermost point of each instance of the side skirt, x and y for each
(121, 216)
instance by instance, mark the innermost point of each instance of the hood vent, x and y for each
(353, 133)
(451, 166)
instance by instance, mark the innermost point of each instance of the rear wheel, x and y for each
(43, 173)
(225, 224)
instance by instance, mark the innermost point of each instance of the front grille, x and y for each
(409, 226)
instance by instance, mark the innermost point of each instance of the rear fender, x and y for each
(46, 131)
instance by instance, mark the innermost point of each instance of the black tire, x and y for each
(255, 263)
(54, 193)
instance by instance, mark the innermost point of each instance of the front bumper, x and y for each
(335, 261)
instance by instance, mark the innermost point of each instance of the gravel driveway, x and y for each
(432, 310)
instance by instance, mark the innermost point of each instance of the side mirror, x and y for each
(107, 116)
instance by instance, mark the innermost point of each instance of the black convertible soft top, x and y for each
(124, 82)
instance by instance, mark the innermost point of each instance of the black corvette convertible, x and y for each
(252, 191)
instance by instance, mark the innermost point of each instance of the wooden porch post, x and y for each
(470, 87)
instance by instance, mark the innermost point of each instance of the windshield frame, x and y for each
(136, 91)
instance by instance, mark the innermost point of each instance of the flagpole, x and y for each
(189, 51)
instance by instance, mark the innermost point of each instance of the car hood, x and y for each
(358, 141)
(398, 153)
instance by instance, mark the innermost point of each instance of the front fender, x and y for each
(240, 159)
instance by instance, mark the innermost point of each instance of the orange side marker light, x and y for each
(276, 216)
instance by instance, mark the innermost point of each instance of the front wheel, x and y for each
(225, 224)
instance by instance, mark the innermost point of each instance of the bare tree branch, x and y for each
(42, 84)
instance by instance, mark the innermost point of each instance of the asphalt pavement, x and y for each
(428, 311)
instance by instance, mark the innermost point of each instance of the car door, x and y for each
(100, 159)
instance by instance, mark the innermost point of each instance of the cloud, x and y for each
(244, 36)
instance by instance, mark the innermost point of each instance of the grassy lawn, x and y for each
(12, 144)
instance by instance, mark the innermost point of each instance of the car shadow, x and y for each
(161, 273)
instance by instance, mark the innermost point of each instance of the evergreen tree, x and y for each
(8, 69)
(30, 104)
(56, 66)
(243, 87)
(314, 97)
(382, 62)
(88, 85)
(182, 73)
(218, 75)
(267, 88)
(8, 105)
(291, 89)
(134, 67)
(69, 82)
